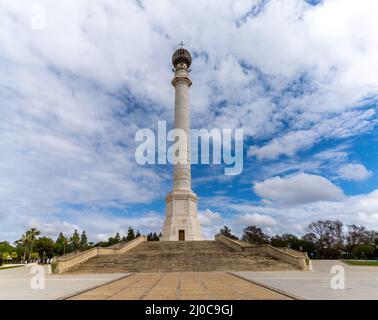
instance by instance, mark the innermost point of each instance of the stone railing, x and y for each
(300, 260)
(64, 263)
(294, 252)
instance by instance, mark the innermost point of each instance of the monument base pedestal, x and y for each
(181, 221)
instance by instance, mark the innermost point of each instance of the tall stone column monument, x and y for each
(181, 221)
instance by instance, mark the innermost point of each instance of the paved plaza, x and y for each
(360, 282)
(181, 286)
(16, 284)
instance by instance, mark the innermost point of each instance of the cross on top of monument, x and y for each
(181, 44)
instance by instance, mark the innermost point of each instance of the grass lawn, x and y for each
(370, 263)
(10, 267)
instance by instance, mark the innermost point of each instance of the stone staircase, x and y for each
(161, 256)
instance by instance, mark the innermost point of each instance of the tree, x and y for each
(34, 256)
(310, 237)
(32, 236)
(130, 234)
(22, 245)
(286, 240)
(226, 232)
(363, 251)
(102, 244)
(14, 256)
(6, 256)
(278, 241)
(293, 242)
(83, 241)
(255, 235)
(137, 234)
(75, 241)
(153, 237)
(358, 235)
(6, 247)
(61, 245)
(327, 236)
(44, 247)
(309, 247)
(115, 240)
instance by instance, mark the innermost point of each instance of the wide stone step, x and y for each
(179, 257)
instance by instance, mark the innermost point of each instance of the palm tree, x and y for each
(23, 241)
(32, 235)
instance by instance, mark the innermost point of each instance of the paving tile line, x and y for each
(285, 293)
(178, 288)
(222, 282)
(200, 280)
(123, 288)
(71, 295)
(235, 289)
(145, 293)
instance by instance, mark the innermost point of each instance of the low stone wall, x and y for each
(63, 263)
(300, 261)
(294, 252)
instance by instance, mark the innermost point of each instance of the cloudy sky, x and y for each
(79, 77)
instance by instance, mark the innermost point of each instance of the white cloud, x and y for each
(298, 189)
(208, 217)
(53, 228)
(354, 172)
(326, 163)
(294, 218)
(211, 222)
(339, 126)
(99, 224)
(257, 219)
(69, 92)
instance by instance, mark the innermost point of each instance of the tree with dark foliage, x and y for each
(226, 232)
(44, 247)
(75, 241)
(255, 235)
(130, 234)
(328, 237)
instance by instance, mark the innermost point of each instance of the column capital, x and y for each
(181, 79)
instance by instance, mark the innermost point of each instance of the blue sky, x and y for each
(79, 78)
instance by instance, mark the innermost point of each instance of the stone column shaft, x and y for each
(182, 83)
